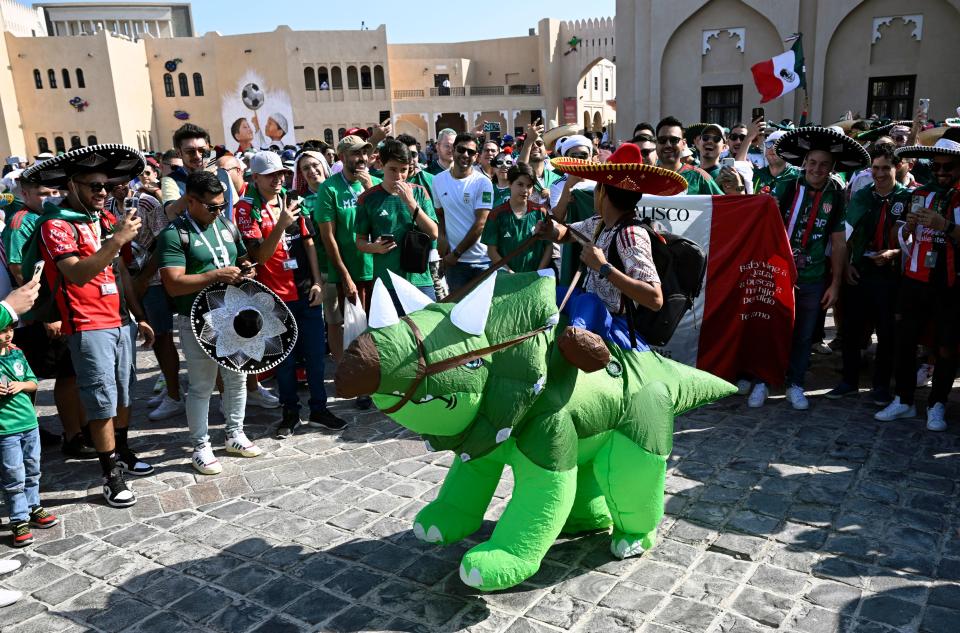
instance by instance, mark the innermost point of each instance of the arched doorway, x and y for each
(452, 120)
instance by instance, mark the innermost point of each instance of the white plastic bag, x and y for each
(354, 322)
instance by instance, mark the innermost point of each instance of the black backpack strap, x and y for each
(616, 261)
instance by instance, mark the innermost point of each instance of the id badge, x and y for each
(290, 264)
(108, 289)
(799, 259)
(930, 259)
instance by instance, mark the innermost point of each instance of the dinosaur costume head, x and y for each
(431, 371)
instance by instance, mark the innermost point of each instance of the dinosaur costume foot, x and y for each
(583, 349)
(443, 524)
(578, 525)
(487, 568)
(625, 545)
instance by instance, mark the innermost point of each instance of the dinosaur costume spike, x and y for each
(588, 451)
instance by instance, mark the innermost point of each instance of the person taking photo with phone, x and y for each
(280, 240)
(386, 213)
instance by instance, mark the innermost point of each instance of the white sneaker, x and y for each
(167, 409)
(822, 348)
(204, 461)
(758, 396)
(796, 397)
(8, 597)
(896, 410)
(8, 565)
(743, 387)
(924, 374)
(262, 398)
(238, 444)
(155, 401)
(935, 419)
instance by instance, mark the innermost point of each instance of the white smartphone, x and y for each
(925, 106)
(37, 270)
(727, 162)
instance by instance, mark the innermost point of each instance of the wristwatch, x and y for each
(605, 270)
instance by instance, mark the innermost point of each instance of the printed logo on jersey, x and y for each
(486, 197)
(18, 369)
(897, 209)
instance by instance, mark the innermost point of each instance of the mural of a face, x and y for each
(244, 131)
(273, 130)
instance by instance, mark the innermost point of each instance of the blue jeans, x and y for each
(462, 273)
(807, 299)
(312, 347)
(20, 472)
(427, 290)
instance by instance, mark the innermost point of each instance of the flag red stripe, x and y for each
(748, 303)
(768, 84)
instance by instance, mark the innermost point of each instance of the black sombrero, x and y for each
(115, 160)
(245, 328)
(947, 145)
(847, 153)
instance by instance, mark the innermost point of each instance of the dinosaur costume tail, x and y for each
(695, 388)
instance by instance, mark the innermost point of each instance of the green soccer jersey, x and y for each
(309, 210)
(872, 217)
(214, 246)
(541, 188)
(579, 209)
(699, 183)
(381, 213)
(337, 203)
(765, 182)
(810, 235)
(16, 412)
(500, 195)
(16, 232)
(505, 231)
(422, 178)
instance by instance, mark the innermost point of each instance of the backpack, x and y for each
(681, 265)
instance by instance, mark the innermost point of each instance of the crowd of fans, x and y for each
(125, 256)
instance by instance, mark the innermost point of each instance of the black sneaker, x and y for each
(77, 448)
(116, 491)
(40, 518)
(842, 390)
(363, 402)
(21, 534)
(324, 418)
(131, 464)
(288, 425)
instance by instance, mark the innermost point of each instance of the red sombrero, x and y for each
(625, 170)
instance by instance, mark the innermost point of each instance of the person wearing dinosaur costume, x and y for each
(485, 379)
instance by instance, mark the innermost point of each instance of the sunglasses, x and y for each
(212, 208)
(203, 151)
(580, 155)
(669, 140)
(466, 150)
(95, 187)
(644, 138)
(506, 162)
(646, 152)
(942, 167)
(708, 138)
(737, 137)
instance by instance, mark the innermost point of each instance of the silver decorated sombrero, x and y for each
(847, 153)
(111, 159)
(245, 328)
(947, 145)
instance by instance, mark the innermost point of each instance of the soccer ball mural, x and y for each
(252, 96)
(256, 114)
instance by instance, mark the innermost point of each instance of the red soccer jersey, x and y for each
(287, 272)
(92, 306)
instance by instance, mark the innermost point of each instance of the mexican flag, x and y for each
(782, 74)
(742, 322)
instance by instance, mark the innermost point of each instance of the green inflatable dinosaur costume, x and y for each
(484, 378)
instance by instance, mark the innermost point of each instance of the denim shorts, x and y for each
(159, 312)
(103, 360)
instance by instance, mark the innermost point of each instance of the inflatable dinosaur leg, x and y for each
(459, 507)
(632, 479)
(530, 523)
(589, 510)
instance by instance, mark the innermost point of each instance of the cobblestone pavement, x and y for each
(804, 522)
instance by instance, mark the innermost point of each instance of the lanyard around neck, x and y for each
(206, 242)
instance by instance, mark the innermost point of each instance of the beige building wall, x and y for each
(11, 127)
(667, 52)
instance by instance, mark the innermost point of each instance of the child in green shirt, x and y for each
(516, 220)
(19, 443)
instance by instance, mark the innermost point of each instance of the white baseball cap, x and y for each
(266, 163)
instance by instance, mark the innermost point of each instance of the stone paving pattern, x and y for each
(776, 520)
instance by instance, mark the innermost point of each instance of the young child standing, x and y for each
(20, 444)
